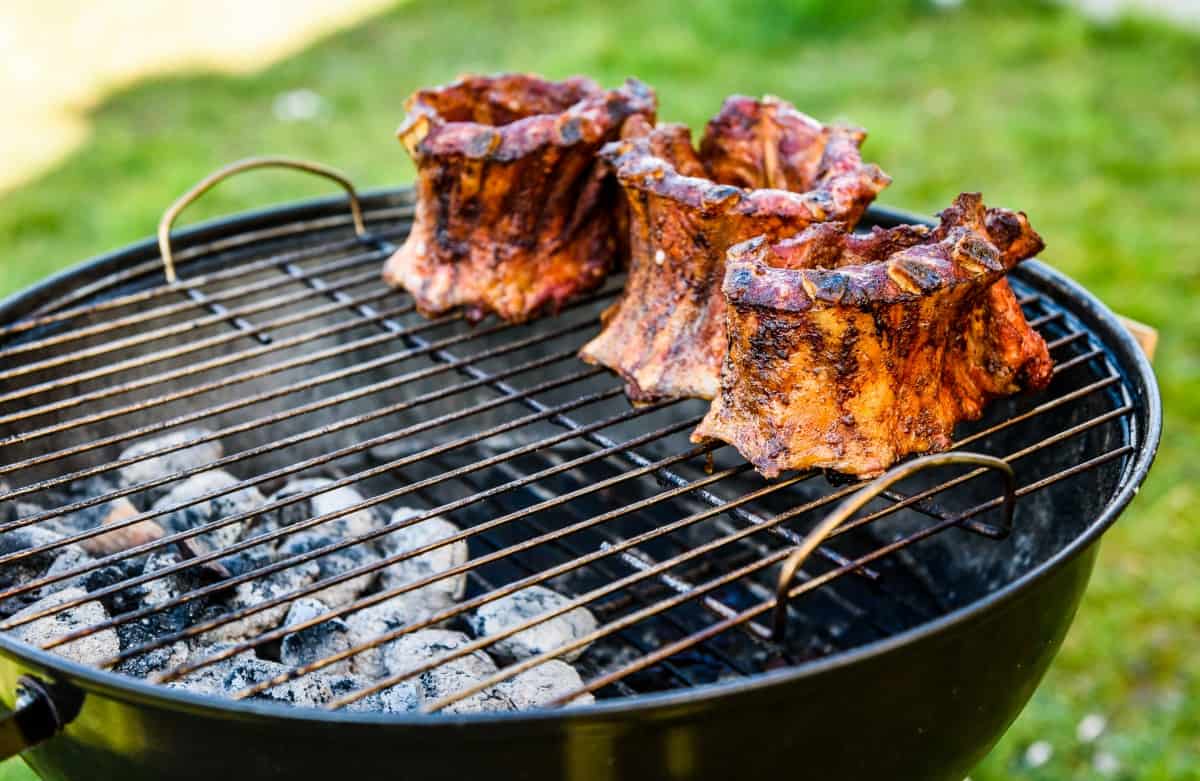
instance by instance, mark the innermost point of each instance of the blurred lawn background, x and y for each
(1092, 128)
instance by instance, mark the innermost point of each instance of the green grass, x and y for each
(1092, 130)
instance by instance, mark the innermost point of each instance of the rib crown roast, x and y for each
(848, 352)
(763, 168)
(515, 215)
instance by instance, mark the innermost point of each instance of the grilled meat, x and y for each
(849, 352)
(763, 169)
(514, 213)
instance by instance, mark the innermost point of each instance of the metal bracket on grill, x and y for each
(247, 164)
(40, 712)
(876, 487)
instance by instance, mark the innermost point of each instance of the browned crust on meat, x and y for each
(763, 169)
(849, 352)
(514, 214)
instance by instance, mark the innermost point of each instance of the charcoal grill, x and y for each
(897, 641)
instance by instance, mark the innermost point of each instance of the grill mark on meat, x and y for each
(846, 369)
(444, 188)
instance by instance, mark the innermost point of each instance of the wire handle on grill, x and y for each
(247, 164)
(859, 500)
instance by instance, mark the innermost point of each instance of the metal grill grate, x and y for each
(283, 342)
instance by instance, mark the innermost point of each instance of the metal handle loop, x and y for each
(857, 501)
(208, 182)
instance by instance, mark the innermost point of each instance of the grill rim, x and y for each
(1117, 343)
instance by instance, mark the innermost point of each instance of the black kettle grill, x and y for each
(746, 627)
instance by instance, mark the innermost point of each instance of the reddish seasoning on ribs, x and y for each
(514, 214)
(849, 352)
(763, 169)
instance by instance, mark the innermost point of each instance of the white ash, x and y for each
(30, 567)
(449, 677)
(516, 608)
(173, 584)
(297, 511)
(333, 564)
(70, 557)
(168, 463)
(226, 677)
(309, 691)
(90, 650)
(539, 685)
(65, 557)
(17, 509)
(315, 642)
(92, 487)
(247, 560)
(305, 609)
(201, 513)
(33, 566)
(394, 699)
(229, 676)
(148, 663)
(210, 679)
(334, 635)
(126, 599)
(72, 522)
(371, 622)
(167, 588)
(259, 590)
(13, 509)
(85, 518)
(442, 593)
(157, 624)
(330, 501)
(330, 532)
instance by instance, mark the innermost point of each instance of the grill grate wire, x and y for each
(700, 596)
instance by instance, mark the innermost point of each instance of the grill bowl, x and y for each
(926, 700)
